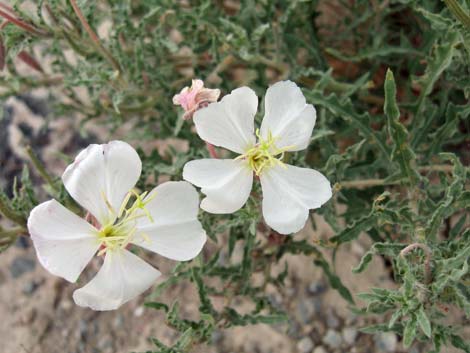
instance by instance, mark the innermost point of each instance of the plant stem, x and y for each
(458, 12)
(11, 233)
(96, 41)
(381, 182)
(40, 168)
(212, 150)
(27, 27)
(427, 262)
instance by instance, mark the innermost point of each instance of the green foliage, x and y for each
(390, 85)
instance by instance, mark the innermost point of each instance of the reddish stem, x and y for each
(30, 61)
(20, 23)
(212, 150)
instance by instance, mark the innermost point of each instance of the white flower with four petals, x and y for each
(288, 192)
(101, 180)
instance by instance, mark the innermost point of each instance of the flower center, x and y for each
(118, 233)
(264, 154)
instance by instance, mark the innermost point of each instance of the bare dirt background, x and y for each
(38, 315)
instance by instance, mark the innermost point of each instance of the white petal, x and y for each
(122, 277)
(102, 172)
(175, 231)
(289, 193)
(225, 182)
(64, 242)
(287, 116)
(180, 242)
(172, 202)
(230, 122)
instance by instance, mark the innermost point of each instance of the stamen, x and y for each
(119, 233)
(264, 154)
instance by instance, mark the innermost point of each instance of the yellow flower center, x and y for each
(117, 234)
(264, 154)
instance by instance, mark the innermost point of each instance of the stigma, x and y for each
(264, 154)
(118, 233)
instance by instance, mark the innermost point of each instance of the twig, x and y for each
(21, 24)
(40, 168)
(427, 262)
(96, 41)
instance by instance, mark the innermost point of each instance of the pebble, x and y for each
(386, 341)
(21, 265)
(83, 330)
(317, 287)
(306, 309)
(217, 337)
(349, 335)
(305, 345)
(30, 287)
(332, 339)
(118, 321)
(320, 349)
(22, 243)
(332, 320)
(275, 299)
(139, 311)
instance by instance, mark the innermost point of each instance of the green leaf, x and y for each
(353, 230)
(157, 306)
(401, 152)
(345, 109)
(459, 343)
(441, 60)
(335, 281)
(409, 333)
(424, 322)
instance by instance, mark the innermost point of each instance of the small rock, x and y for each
(331, 319)
(66, 304)
(217, 337)
(349, 335)
(21, 265)
(22, 243)
(305, 310)
(118, 321)
(386, 341)
(83, 330)
(139, 311)
(105, 345)
(275, 299)
(332, 339)
(317, 287)
(30, 287)
(305, 345)
(320, 349)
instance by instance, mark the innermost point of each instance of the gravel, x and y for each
(21, 265)
(386, 341)
(332, 339)
(320, 349)
(349, 335)
(305, 345)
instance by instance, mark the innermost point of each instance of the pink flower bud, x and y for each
(195, 97)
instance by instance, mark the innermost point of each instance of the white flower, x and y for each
(101, 180)
(288, 192)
